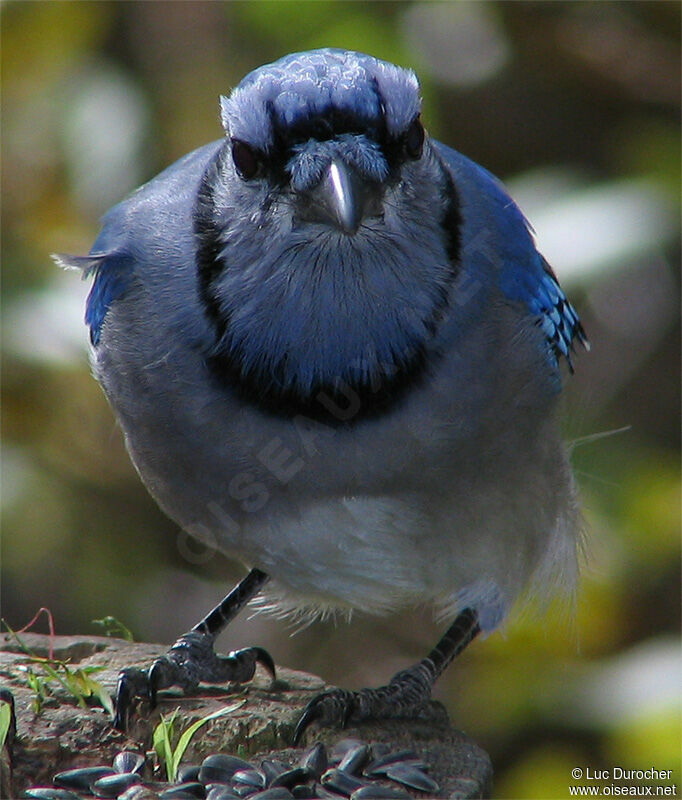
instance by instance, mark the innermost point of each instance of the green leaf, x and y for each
(114, 627)
(74, 684)
(163, 735)
(5, 721)
(161, 740)
(69, 682)
(187, 735)
(92, 669)
(39, 688)
(93, 688)
(104, 698)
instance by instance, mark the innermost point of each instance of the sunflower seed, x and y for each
(113, 785)
(139, 792)
(184, 789)
(412, 777)
(188, 773)
(315, 759)
(304, 791)
(220, 768)
(81, 779)
(355, 759)
(380, 792)
(276, 793)
(219, 791)
(49, 793)
(321, 792)
(341, 748)
(127, 761)
(271, 768)
(341, 782)
(292, 777)
(251, 777)
(244, 789)
(378, 766)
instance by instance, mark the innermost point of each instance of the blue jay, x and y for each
(333, 350)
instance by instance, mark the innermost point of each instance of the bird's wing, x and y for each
(539, 289)
(112, 271)
(523, 274)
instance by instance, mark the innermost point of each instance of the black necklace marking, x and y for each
(207, 234)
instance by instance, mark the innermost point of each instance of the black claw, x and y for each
(132, 683)
(153, 683)
(311, 713)
(264, 658)
(329, 708)
(120, 716)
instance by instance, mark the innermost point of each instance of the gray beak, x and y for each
(340, 197)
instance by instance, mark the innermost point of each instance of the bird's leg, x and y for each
(403, 697)
(192, 658)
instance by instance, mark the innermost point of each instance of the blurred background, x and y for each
(576, 106)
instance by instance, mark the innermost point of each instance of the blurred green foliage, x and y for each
(99, 96)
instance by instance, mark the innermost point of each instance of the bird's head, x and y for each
(330, 129)
(325, 230)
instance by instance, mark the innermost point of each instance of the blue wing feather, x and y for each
(112, 272)
(556, 316)
(537, 287)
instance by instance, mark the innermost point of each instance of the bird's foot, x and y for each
(189, 661)
(404, 697)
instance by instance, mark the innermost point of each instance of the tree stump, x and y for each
(64, 735)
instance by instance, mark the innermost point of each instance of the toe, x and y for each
(132, 683)
(333, 708)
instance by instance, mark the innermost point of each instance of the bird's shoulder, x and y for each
(149, 213)
(151, 223)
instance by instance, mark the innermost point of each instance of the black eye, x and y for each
(414, 139)
(245, 159)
